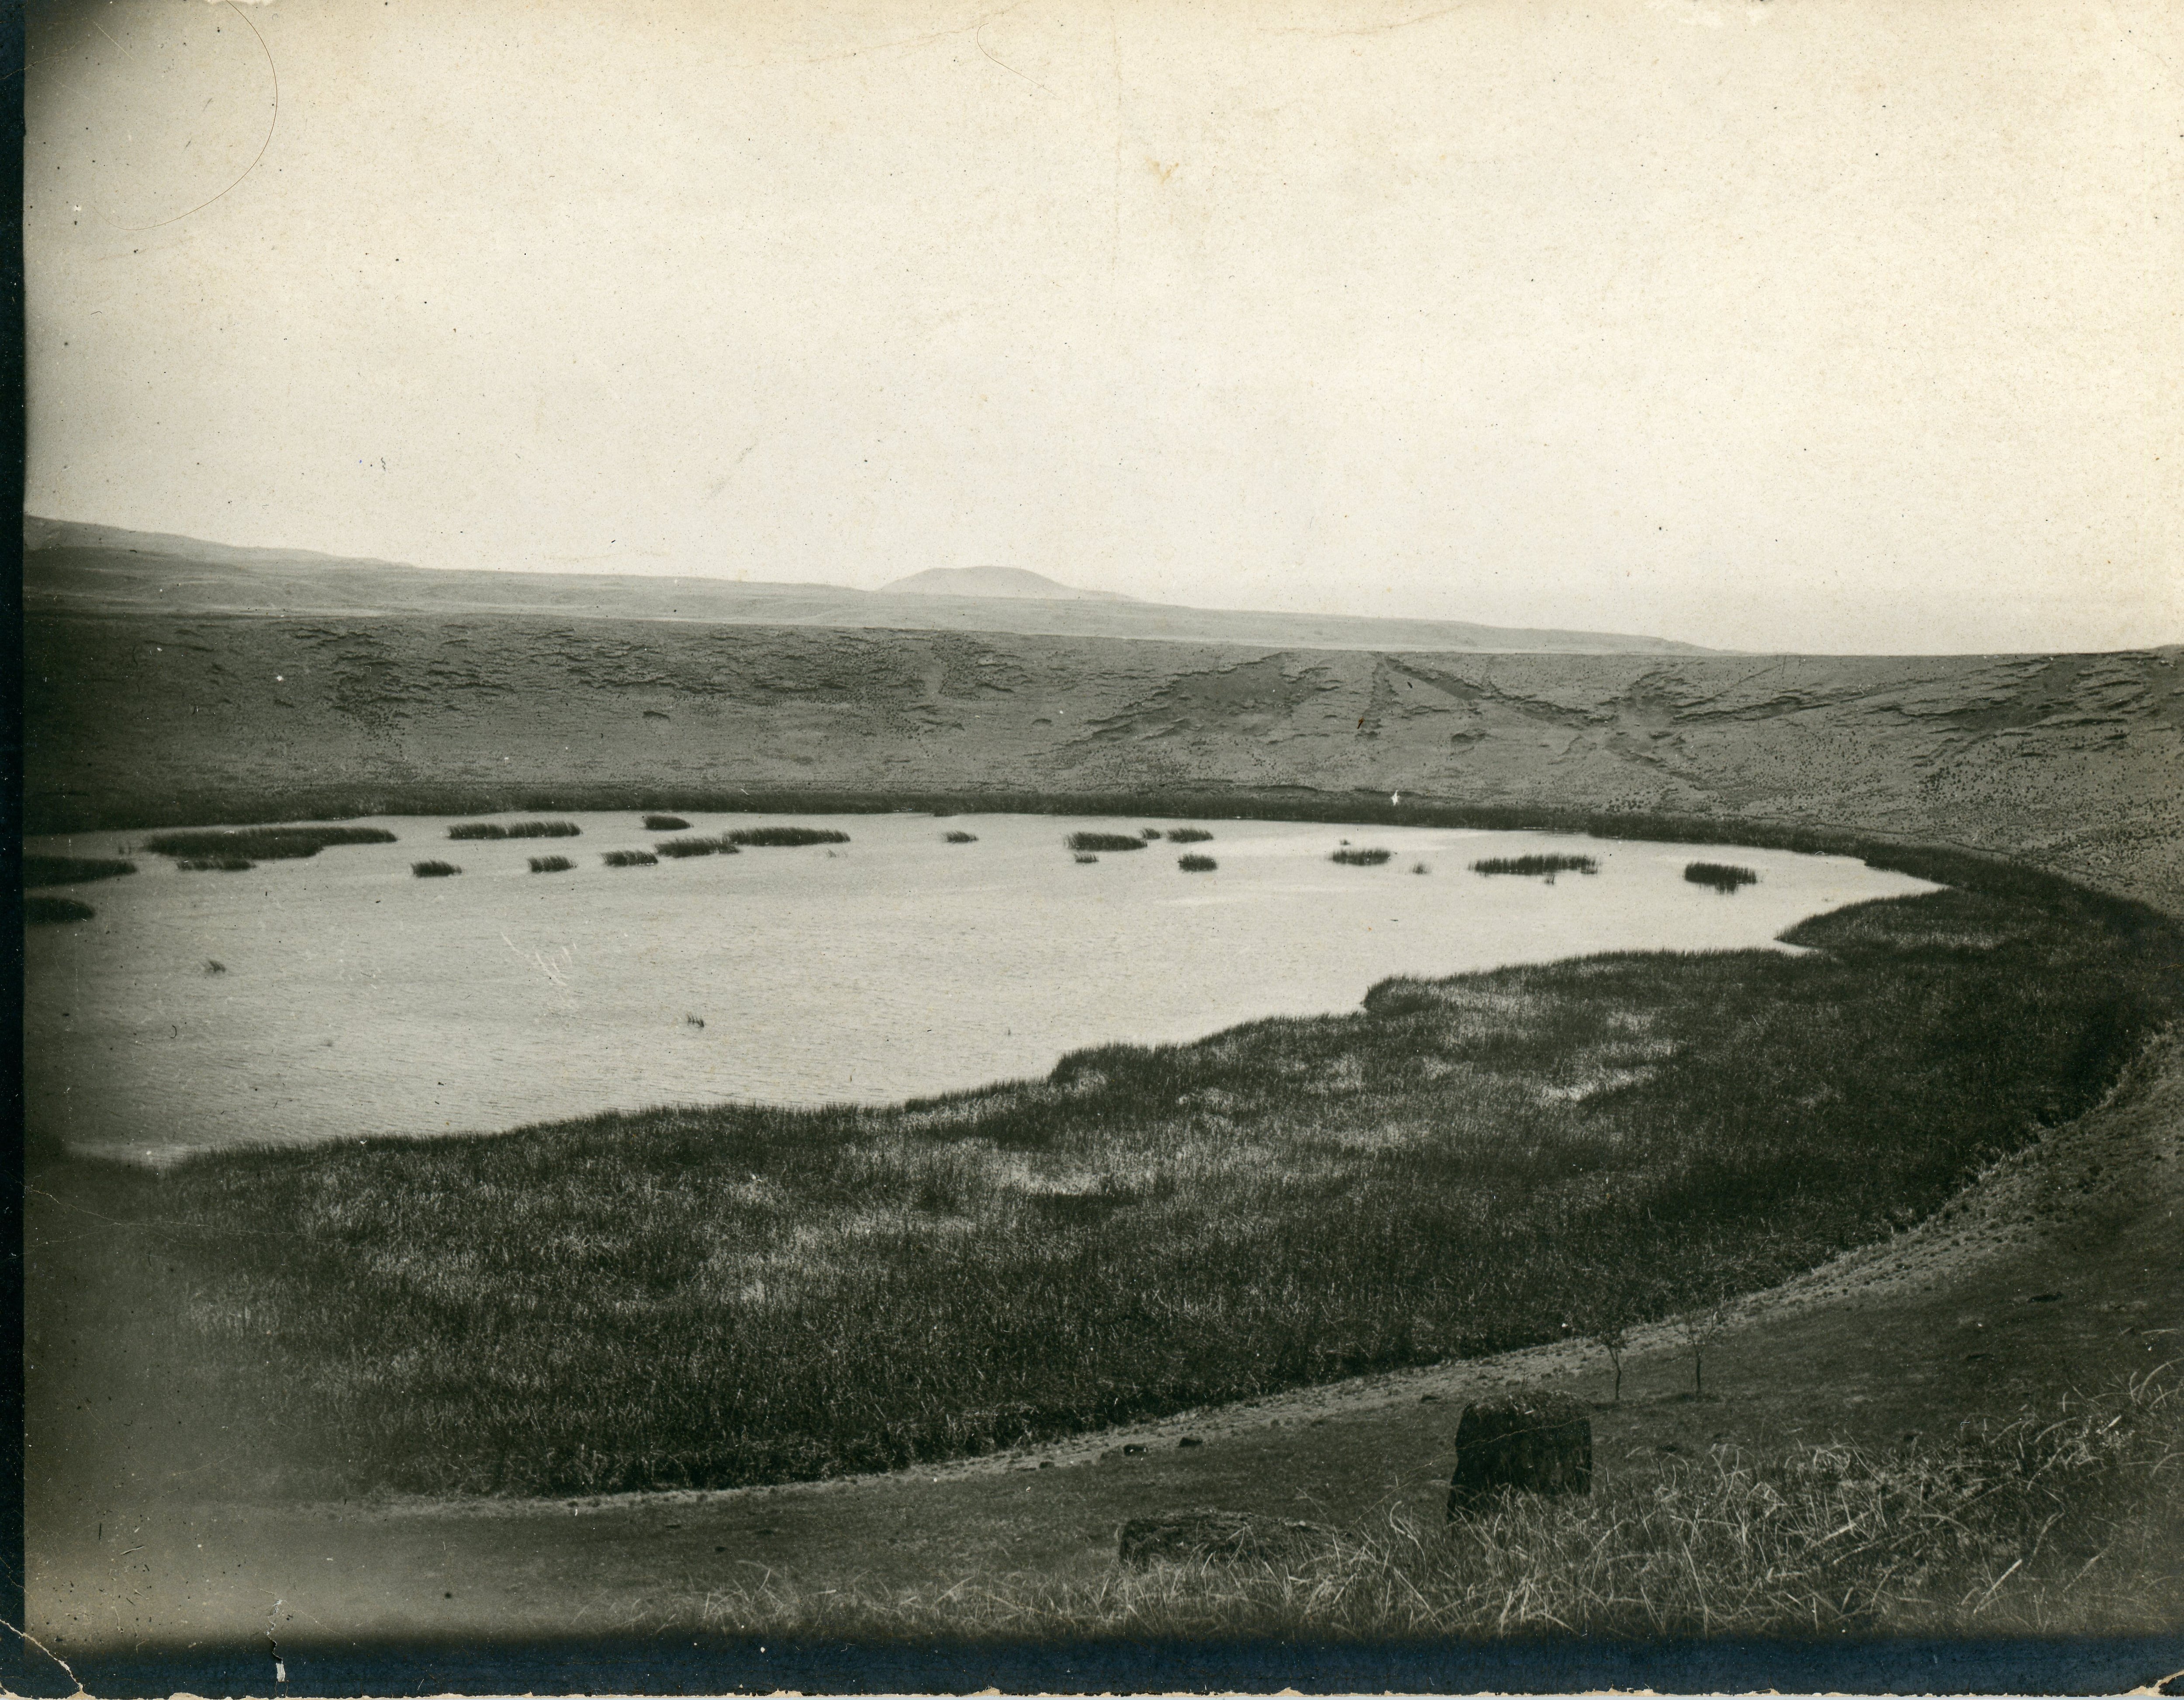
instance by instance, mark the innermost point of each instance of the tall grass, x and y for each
(1723, 877)
(1361, 858)
(961, 838)
(1104, 841)
(1996, 1529)
(628, 858)
(517, 829)
(71, 870)
(734, 1293)
(550, 864)
(1188, 835)
(665, 824)
(263, 844)
(1196, 864)
(1534, 865)
(214, 864)
(39, 910)
(434, 870)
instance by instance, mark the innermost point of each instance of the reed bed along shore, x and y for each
(2050, 1523)
(747, 1294)
(262, 843)
(71, 870)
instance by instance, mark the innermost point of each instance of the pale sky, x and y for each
(1798, 324)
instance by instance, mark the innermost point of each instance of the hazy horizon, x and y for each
(1770, 326)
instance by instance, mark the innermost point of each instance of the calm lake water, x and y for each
(354, 999)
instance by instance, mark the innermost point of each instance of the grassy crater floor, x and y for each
(740, 1294)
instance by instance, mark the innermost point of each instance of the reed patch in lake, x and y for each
(520, 829)
(1536, 865)
(960, 838)
(1723, 877)
(665, 824)
(1104, 841)
(1361, 858)
(1196, 864)
(434, 870)
(40, 910)
(550, 864)
(1188, 835)
(629, 858)
(784, 838)
(215, 864)
(71, 870)
(263, 844)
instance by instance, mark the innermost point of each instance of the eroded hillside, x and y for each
(134, 719)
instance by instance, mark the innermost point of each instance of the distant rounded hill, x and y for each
(1013, 582)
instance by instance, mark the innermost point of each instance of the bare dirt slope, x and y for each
(140, 718)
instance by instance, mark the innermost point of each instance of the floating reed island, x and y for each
(1723, 877)
(71, 870)
(1536, 865)
(263, 844)
(1196, 864)
(1361, 858)
(434, 870)
(665, 824)
(1104, 841)
(520, 829)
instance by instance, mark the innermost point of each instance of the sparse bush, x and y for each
(434, 870)
(1188, 835)
(628, 858)
(1549, 866)
(215, 864)
(263, 844)
(1196, 864)
(665, 824)
(778, 837)
(1361, 858)
(1723, 877)
(550, 864)
(961, 838)
(49, 911)
(70, 870)
(1104, 841)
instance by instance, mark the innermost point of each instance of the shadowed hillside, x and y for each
(138, 719)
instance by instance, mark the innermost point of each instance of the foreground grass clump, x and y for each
(1188, 835)
(2049, 1522)
(1548, 864)
(263, 844)
(665, 824)
(550, 864)
(960, 838)
(434, 870)
(1196, 864)
(629, 858)
(1361, 858)
(1104, 841)
(71, 870)
(1723, 877)
(52, 911)
(736, 1294)
(784, 838)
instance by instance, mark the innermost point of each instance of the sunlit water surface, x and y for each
(354, 999)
